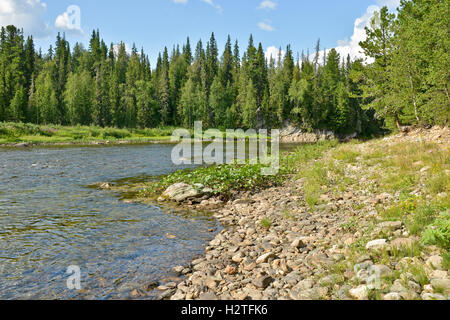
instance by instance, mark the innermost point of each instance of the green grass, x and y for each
(303, 163)
(351, 225)
(316, 178)
(424, 216)
(346, 154)
(266, 223)
(419, 274)
(229, 178)
(12, 133)
(438, 233)
(296, 160)
(446, 260)
(222, 179)
(406, 251)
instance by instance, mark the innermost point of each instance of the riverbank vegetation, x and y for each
(403, 82)
(227, 180)
(16, 133)
(360, 220)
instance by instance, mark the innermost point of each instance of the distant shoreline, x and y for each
(85, 143)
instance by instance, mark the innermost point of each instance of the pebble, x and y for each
(360, 293)
(263, 282)
(265, 257)
(441, 284)
(377, 244)
(435, 262)
(392, 296)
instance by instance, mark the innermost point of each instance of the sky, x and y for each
(154, 24)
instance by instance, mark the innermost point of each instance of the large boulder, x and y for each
(181, 192)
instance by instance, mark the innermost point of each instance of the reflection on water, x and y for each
(49, 221)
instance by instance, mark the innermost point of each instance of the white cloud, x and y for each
(273, 52)
(213, 4)
(391, 4)
(26, 14)
(268, 5)
(351, 47)
(266, 26)
(210, 2)
(70, 21)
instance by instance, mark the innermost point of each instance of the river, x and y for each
(50, 220)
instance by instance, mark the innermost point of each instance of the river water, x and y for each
(50, 220)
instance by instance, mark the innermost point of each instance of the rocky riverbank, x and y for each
(291, 134)
(341, 240)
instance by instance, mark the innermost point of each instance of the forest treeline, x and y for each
(405, 81)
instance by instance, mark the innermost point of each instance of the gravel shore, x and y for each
(275, 246)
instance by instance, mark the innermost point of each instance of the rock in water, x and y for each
(180, 192)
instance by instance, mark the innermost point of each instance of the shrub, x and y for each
(439, 232)
(116, 133)
(266, 223)
(222, 179)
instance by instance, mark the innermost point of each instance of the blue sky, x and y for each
(157, 23)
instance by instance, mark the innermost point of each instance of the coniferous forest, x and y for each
(404, 81)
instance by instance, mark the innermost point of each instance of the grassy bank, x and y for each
(17, 133)
(400, 181)
(225, 180)
(407, 180)
(14, 133)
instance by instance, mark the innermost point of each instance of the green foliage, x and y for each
(419, 273)
(423, 216)
(439, 232)
(303, 154)
(221, 179)
(226, 179)
(446, 260)
(78, 98)
(266, 223)
(405, 83)
(348, 156)
(20, 132)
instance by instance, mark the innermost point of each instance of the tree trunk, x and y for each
(413, 92)
(397, 122)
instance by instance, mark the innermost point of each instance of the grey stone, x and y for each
(262, 282)
(398, 287)
(180, 192)
(402, 243)
(377, 244)
(265, 257)
(208, 296)
(166, 294)
(391, 225)
(392, 296)
(433, 296)
(435, 262)
(441, 284)
(360, 293)
(308, 294)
